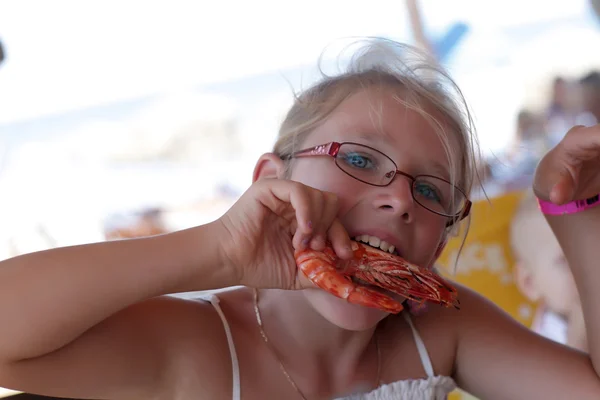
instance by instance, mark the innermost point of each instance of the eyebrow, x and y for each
(440, 170)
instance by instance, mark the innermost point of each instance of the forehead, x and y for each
(402, 127)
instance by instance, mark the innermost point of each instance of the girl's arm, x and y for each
(90, 322)
(96, 294)
(498, 358)
(579, 237)
(571, 171)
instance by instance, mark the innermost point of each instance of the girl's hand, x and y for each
(271, 220)
(571, 170)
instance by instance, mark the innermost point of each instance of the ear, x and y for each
(526, 282)
(268, 166)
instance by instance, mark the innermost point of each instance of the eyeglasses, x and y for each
(370, 166)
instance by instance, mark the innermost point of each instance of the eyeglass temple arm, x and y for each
(467, 210)
(464, 214)
(328, 149)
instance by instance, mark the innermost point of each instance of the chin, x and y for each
(342, 313)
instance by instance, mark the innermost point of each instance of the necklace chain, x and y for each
(287, 375)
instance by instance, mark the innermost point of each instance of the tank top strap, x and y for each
(423, 354)
(214, 300)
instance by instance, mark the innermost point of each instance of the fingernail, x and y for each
(305, 241)
(309, 224)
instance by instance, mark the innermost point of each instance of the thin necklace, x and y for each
(287, 375)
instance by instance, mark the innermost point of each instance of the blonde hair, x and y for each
(420, 83)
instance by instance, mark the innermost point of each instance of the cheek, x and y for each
(325, 176)
(432, 234)
(313, 172)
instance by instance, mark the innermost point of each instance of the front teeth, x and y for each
(376, 242)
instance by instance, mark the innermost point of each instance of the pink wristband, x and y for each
(573, 207)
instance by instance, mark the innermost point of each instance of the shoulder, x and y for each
(442, 329)
(204, 319)
(490, 343)
(182, 326)
(476, 314)
(195, 337)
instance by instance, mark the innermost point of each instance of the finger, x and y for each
(563, 191)
(301, 240)
(330, 209)
(340, 240)
(320, 225)
(329, 213)
(281, 193)
(582, 142)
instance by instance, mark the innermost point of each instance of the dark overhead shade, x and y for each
(596, 7)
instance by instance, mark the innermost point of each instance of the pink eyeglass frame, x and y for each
(332, 148)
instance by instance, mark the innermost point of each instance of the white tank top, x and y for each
(434, 387)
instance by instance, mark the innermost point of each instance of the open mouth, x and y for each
(380, 244)
(377, 243)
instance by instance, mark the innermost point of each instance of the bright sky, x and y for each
(65, 54)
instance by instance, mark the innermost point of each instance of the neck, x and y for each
(299, 336)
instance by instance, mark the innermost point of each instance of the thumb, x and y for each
(564, 190)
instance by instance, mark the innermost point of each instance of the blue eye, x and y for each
(358, 160)
(428, 191)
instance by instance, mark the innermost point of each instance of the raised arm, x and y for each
(497, 358)
(572, 172)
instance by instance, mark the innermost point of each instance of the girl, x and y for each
(93, 321)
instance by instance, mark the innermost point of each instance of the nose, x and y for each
(396, 199)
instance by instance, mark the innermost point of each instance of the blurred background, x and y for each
(131, 118)
(116, 114)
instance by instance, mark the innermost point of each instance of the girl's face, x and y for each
(374, 118)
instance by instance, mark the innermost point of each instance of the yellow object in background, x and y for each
(486, 263)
